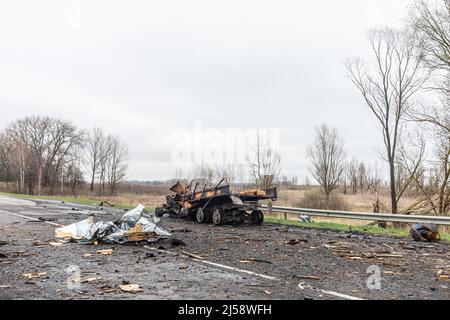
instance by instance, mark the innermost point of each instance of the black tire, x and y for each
(261, 217)
(200, 216)
(257, 217)
(218, 217)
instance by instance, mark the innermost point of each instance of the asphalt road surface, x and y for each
(239, 262)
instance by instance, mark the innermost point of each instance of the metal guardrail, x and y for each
(388, 217)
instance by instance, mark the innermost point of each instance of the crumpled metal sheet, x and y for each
(135, 226)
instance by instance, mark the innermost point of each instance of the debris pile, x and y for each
(424, 232)
(135, 226)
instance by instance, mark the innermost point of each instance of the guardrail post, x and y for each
(270, 208)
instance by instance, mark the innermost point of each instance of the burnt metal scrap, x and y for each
(424, 232)
(135, 226)
(217, 205)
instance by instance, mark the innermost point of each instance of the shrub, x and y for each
(316, 200)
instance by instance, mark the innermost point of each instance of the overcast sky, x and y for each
(142, 69)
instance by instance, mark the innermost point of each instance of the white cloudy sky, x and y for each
(141, 69)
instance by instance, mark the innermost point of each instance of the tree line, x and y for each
(46, 155)
(406, 63)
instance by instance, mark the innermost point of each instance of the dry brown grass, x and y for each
(355, 202)
(131, 199)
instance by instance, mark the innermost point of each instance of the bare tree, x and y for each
(64, 138)
(116, 164)
(430, 23)
(73, 172)
(105, 151)
(31, 136)
(374, 180)
(5, 159)
(351, 173)
(265, 164)
(434, 193)
(388, 88)
(362, 177)
(204, 175)
(327, 159)
(228, 172)
(45, 152)
(409, 163)
(94, 147)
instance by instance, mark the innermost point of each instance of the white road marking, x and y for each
(31, 218)
(301, 285)
(238, 270)
(340, 295)
(218, 265)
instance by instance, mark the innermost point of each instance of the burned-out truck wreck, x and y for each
(217, 205)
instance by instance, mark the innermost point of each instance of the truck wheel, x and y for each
(218, 217)
(261, 217)
(201, 217)
(257, 217)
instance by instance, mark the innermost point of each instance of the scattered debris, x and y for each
(131, 288)
(39, 244)
(41, 219)
(3, 256)
(35, 275)
(184, 230)
(296, 241)
(150, 255)
(56, 244)
(105, 252)
(424, 232)
(306, 219)
(388, 255)
(192, 255)
(135, 226)
(352, 258)
(441, 275)
(307, 277)
(257, 260)
(103, 203)
(87, 255)
(176, 242)
(5, 286)
(108, 289)
(82, 279)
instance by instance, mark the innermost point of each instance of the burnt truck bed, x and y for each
(217, 205)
